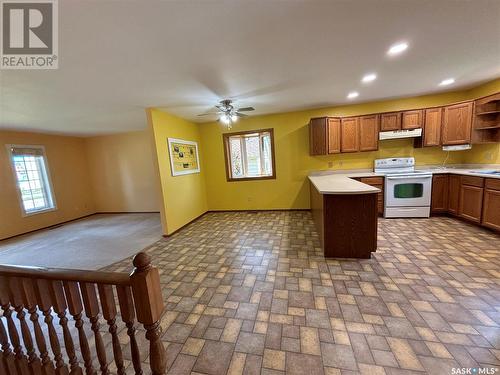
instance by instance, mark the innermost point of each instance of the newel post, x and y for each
(149, 306)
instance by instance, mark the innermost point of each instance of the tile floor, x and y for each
(251, 293)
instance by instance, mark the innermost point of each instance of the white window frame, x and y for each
(241, 136)
(47, 175)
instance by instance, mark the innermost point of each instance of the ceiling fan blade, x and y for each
(241, 114)
(209, 113)
(246, 109)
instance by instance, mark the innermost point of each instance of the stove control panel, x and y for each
(394, 163)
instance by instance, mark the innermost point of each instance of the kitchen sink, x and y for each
(487, 172)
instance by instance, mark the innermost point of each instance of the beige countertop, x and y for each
(341, 181)
(340, 184)
(471, 171)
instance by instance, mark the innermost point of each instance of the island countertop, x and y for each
(340, 184)
(342, 181)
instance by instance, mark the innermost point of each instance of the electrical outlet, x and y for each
(488, 156)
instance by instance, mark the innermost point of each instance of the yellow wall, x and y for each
(70, 179)
(293, 163)
(122, 173)
(483, 154)
(184, 197)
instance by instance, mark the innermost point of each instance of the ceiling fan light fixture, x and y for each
(234, 118)
(225, 119)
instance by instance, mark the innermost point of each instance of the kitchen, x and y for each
(471, 193)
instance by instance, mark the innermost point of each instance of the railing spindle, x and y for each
(16, 297)
(75, 307)
(21, 362)
(92, 312)
(127, 312)
(7, 356)
(149, 305)
(29, 299)
(109, 313)
(60, 306)
(44, 303)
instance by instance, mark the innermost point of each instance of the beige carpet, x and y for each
(89, 243)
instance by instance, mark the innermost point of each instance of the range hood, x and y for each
(457, 147)
(400, 134)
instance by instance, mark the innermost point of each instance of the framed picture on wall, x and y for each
(184, 157)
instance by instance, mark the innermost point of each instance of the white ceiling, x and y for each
(118, 57)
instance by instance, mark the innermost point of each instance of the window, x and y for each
(30, 169)
(249, 155)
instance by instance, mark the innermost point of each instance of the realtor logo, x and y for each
(29, 34)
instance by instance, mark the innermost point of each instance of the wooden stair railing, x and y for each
(76, 300)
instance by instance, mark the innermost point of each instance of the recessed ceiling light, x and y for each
(369, 78)
(446, 82)
(352, 95)
(397, 48)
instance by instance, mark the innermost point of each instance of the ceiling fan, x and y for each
(227, 113)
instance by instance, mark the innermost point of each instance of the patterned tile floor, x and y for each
(251, 293)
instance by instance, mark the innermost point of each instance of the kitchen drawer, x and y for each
(372, 180)
(492, 183)
(472, 181)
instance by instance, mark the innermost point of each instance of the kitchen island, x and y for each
(345, 214)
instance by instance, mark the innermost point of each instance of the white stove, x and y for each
(407, 191)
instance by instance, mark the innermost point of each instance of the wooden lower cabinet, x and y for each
(439, 198)
(475, 199)
(491, 204)
(377, 182)
(471, 203)
(453, 194)
(491, 209)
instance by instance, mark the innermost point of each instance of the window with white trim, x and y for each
(30, 170)
(249, 155)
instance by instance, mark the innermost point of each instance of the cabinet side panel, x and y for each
(317, 211)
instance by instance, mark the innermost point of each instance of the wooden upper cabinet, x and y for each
(486, 119)
(412, 119)
(390, 121)
(368, 133)
(439, 197)
(349, 134)
(318, 136)
(457, 124)
(333, 135)
(432, 126)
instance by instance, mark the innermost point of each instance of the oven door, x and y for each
(408, 191)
